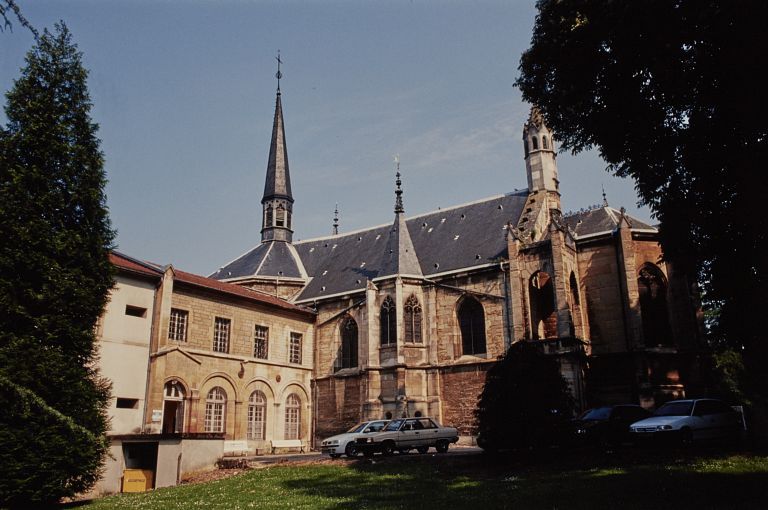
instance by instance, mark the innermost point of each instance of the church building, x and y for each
(411, 314)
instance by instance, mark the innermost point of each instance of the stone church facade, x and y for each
(411, 314)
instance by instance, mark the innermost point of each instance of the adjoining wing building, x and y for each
(412, 313)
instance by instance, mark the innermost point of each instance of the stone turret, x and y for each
(539, 146)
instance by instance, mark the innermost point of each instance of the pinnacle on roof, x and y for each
(400, 256)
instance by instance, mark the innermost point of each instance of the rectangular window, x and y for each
(214, 417)
(177, 328)
(127, 403)
(135, 311)
(221, 335)
(295, 348)
(260, 342)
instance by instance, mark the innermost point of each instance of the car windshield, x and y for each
(358, 428)
(675, 409)
(600, 413)
(394, 425)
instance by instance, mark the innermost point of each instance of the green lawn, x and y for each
(424, 482)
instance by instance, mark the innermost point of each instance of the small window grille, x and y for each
(177, 327)
(295, 348)
(260, 342)
(221, 335)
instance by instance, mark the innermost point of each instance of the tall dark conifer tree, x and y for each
(55, 276)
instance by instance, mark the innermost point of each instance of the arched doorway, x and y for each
(173, 408)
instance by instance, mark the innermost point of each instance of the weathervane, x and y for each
(278, 74)
(605, 199)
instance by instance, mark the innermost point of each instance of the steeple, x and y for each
(400, 256)
(277, 203)
(539, 146)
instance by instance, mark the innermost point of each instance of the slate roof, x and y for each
(446, 240)
(267, 259)
(457, 238)
(600, 220)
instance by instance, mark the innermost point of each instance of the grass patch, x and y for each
(434, 482)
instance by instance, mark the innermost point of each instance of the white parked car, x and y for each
(689, 420)
(345, 444)
(406, 434)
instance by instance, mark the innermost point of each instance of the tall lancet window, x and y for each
(388, 322)
(652, 287)
(472, 324)
(348, 343)
(280, 217)
(412, 320)
(268, 215)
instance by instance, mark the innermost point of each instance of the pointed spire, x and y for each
(277, 200)
(336, 220)
(605, 198)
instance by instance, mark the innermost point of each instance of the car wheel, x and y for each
(335, 455)
(388, 448)
(422, 449)
(686, 436)
(441, 446)
(350, 450)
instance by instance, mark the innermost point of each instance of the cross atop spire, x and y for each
(605, 199)
(398, 191)
(279, 73)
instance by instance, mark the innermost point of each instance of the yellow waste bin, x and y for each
(137, 480)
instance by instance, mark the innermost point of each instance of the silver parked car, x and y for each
(345, 443)
(689, 420)
(405, 434)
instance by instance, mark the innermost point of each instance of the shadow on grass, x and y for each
(652, 480)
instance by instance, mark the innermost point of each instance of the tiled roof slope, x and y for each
(600, 220)
(445, 240)
(267, 259)
(127, 263)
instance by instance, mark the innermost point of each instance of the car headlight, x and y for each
(581, 431)
(664, 427)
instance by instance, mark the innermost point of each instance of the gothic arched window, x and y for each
(257, 415)
(388, 322)
(268, 213)
(293, 417)
(535, 141)
(542, 300)
(280, 217)
(215, 409)
(349, 343)
(412, 311)
(652, 287)
(472, 324)
(544, 142)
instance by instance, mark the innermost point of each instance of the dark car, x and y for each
(607, 425)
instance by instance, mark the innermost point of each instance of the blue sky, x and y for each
(184, 95)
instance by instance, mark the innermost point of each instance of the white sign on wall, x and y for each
(157, 415)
